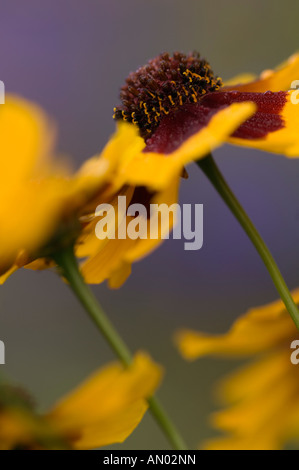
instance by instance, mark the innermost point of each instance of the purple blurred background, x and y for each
(71, 57)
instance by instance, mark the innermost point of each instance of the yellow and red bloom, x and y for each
(175, 97)
(104, 410)
(150, 176)
(262, 398)
(181, 113)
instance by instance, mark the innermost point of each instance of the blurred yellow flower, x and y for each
(40, 200)
(104, 410)
(262, 398)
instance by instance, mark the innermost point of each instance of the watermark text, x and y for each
(295, 353)
(2, 353)
(153, 222)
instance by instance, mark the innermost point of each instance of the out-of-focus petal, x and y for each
(260, 329)
(108, 406)
(279, 79)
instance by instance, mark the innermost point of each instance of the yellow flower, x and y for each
(173, 100)
(104, 410)
(40, 202)
(182, 112)
(149, 176)
(262, 398)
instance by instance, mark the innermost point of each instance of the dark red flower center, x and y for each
(175, 128)
(162, 86)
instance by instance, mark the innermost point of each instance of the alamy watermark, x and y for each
(2, 353)
(2, 92)
(295, 354)
(152, 222)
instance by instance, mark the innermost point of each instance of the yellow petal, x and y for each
(26, 139)
(258, 330)
(264, 397)
(108, 406)
(120, 275)
(39, 197)
(28, 217)
(156, 170)
(124, 144)
(114, 429)
(88, 244)
(111, 259)
(167, 196)
(257, 442)
(279, 79)
(8, 273)
(266, 412)
(257, 377)
(240, 79)
(104, 264)
(122, 149)
(284, 141)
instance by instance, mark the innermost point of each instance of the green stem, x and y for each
(66, 260)
(213, 173)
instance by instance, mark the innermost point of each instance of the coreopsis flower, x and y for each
(176, 97)
(105, 409)
(182, 111)
(261, 398)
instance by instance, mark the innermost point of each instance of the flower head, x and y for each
(163, 85)
(182, 111)
(262, 398)
(174, 98)
(104, 410)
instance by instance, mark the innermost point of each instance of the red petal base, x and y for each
(190, 118)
